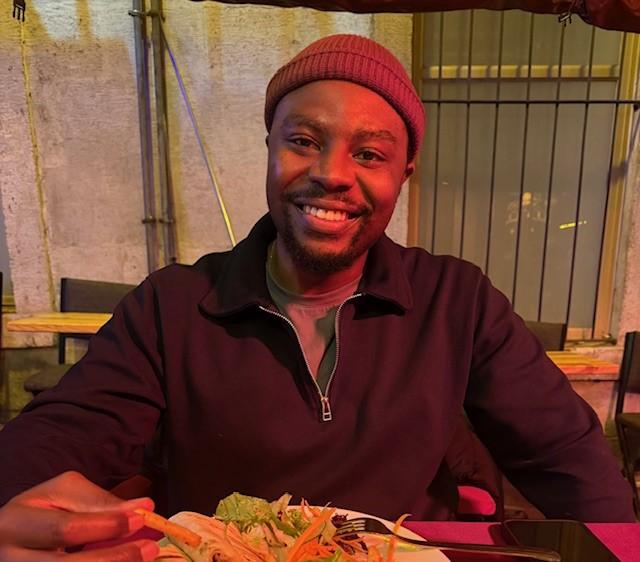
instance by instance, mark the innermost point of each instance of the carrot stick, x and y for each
(394, 539)
(159, 523)
(308, 533)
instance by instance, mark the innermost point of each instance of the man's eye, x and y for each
(368, 155)
(303, 141)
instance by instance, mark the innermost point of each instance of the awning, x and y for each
(621, 15)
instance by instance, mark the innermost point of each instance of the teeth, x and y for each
(325, 214)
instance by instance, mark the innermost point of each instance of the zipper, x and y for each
(324, 397)
(335, 365)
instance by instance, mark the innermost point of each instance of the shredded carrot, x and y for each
(298, 546)
(394, 539)
(373, 555)
(159, 523)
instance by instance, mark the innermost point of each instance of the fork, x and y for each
(368, 525)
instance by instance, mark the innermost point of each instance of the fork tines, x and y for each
(351, 526)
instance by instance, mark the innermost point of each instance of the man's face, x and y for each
(337, 161)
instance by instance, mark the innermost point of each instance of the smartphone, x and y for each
(571, 539)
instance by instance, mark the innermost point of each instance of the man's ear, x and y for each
(408, 171)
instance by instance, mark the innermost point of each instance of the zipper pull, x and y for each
(326, 409)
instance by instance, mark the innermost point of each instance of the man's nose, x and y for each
(333, 169)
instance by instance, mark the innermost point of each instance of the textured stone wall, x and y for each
(70, 178)
(627, 296)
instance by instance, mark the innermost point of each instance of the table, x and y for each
(592, 378)
(572, 364)
(60, 322)
(623, 539)
(585, 366)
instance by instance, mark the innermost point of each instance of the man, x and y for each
(318, 357)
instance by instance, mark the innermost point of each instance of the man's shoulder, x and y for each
(202, 273)
(419, 262)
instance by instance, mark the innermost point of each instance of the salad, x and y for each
(249, 529)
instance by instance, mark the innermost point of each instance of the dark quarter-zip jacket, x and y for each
(197, 354)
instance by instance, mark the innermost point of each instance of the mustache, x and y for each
(318, 192)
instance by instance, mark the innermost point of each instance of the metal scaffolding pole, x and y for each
(167, 217)
(146, 136)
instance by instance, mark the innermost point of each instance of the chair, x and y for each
(76, 295)
(628, 423)
(552, 335)
(478, 479)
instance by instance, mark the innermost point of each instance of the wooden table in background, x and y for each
(60, 322)
(570, 362)
(588, 367)
(593, 379)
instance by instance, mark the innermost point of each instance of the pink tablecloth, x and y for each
(623, 539)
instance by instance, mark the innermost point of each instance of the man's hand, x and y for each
(67, 511)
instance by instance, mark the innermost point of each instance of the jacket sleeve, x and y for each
(101, 414)
(545, 438)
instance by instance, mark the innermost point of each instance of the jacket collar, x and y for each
(242, 281)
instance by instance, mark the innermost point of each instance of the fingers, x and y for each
(34, 527)
(137, 551)
(65, 511)
(73, 492)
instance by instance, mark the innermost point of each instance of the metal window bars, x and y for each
(523, 152)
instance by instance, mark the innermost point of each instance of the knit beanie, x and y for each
(355, 59)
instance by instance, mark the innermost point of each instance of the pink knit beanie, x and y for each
(354, 59)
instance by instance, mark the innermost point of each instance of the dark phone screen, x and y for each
(571, 539)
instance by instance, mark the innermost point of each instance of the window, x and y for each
(523, 167)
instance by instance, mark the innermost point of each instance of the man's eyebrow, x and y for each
(375, 134)
(297, 120)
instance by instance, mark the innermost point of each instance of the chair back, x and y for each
(629, 378)
(84, 295)
(552, 335)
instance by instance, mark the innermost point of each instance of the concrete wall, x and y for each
(70, 179)
(627, 295)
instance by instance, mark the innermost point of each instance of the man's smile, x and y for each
(325, 214)
(325, 218)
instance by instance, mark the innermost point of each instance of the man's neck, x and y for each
(302, 281)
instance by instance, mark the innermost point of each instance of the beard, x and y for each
(320, 262)
(324, 262)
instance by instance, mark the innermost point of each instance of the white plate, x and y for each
(170, 552)
(425, 555)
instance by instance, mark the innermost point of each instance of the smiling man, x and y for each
(340, 149)
(317, 357)
(338, 155)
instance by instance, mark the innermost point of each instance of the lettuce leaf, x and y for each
(244, 511)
